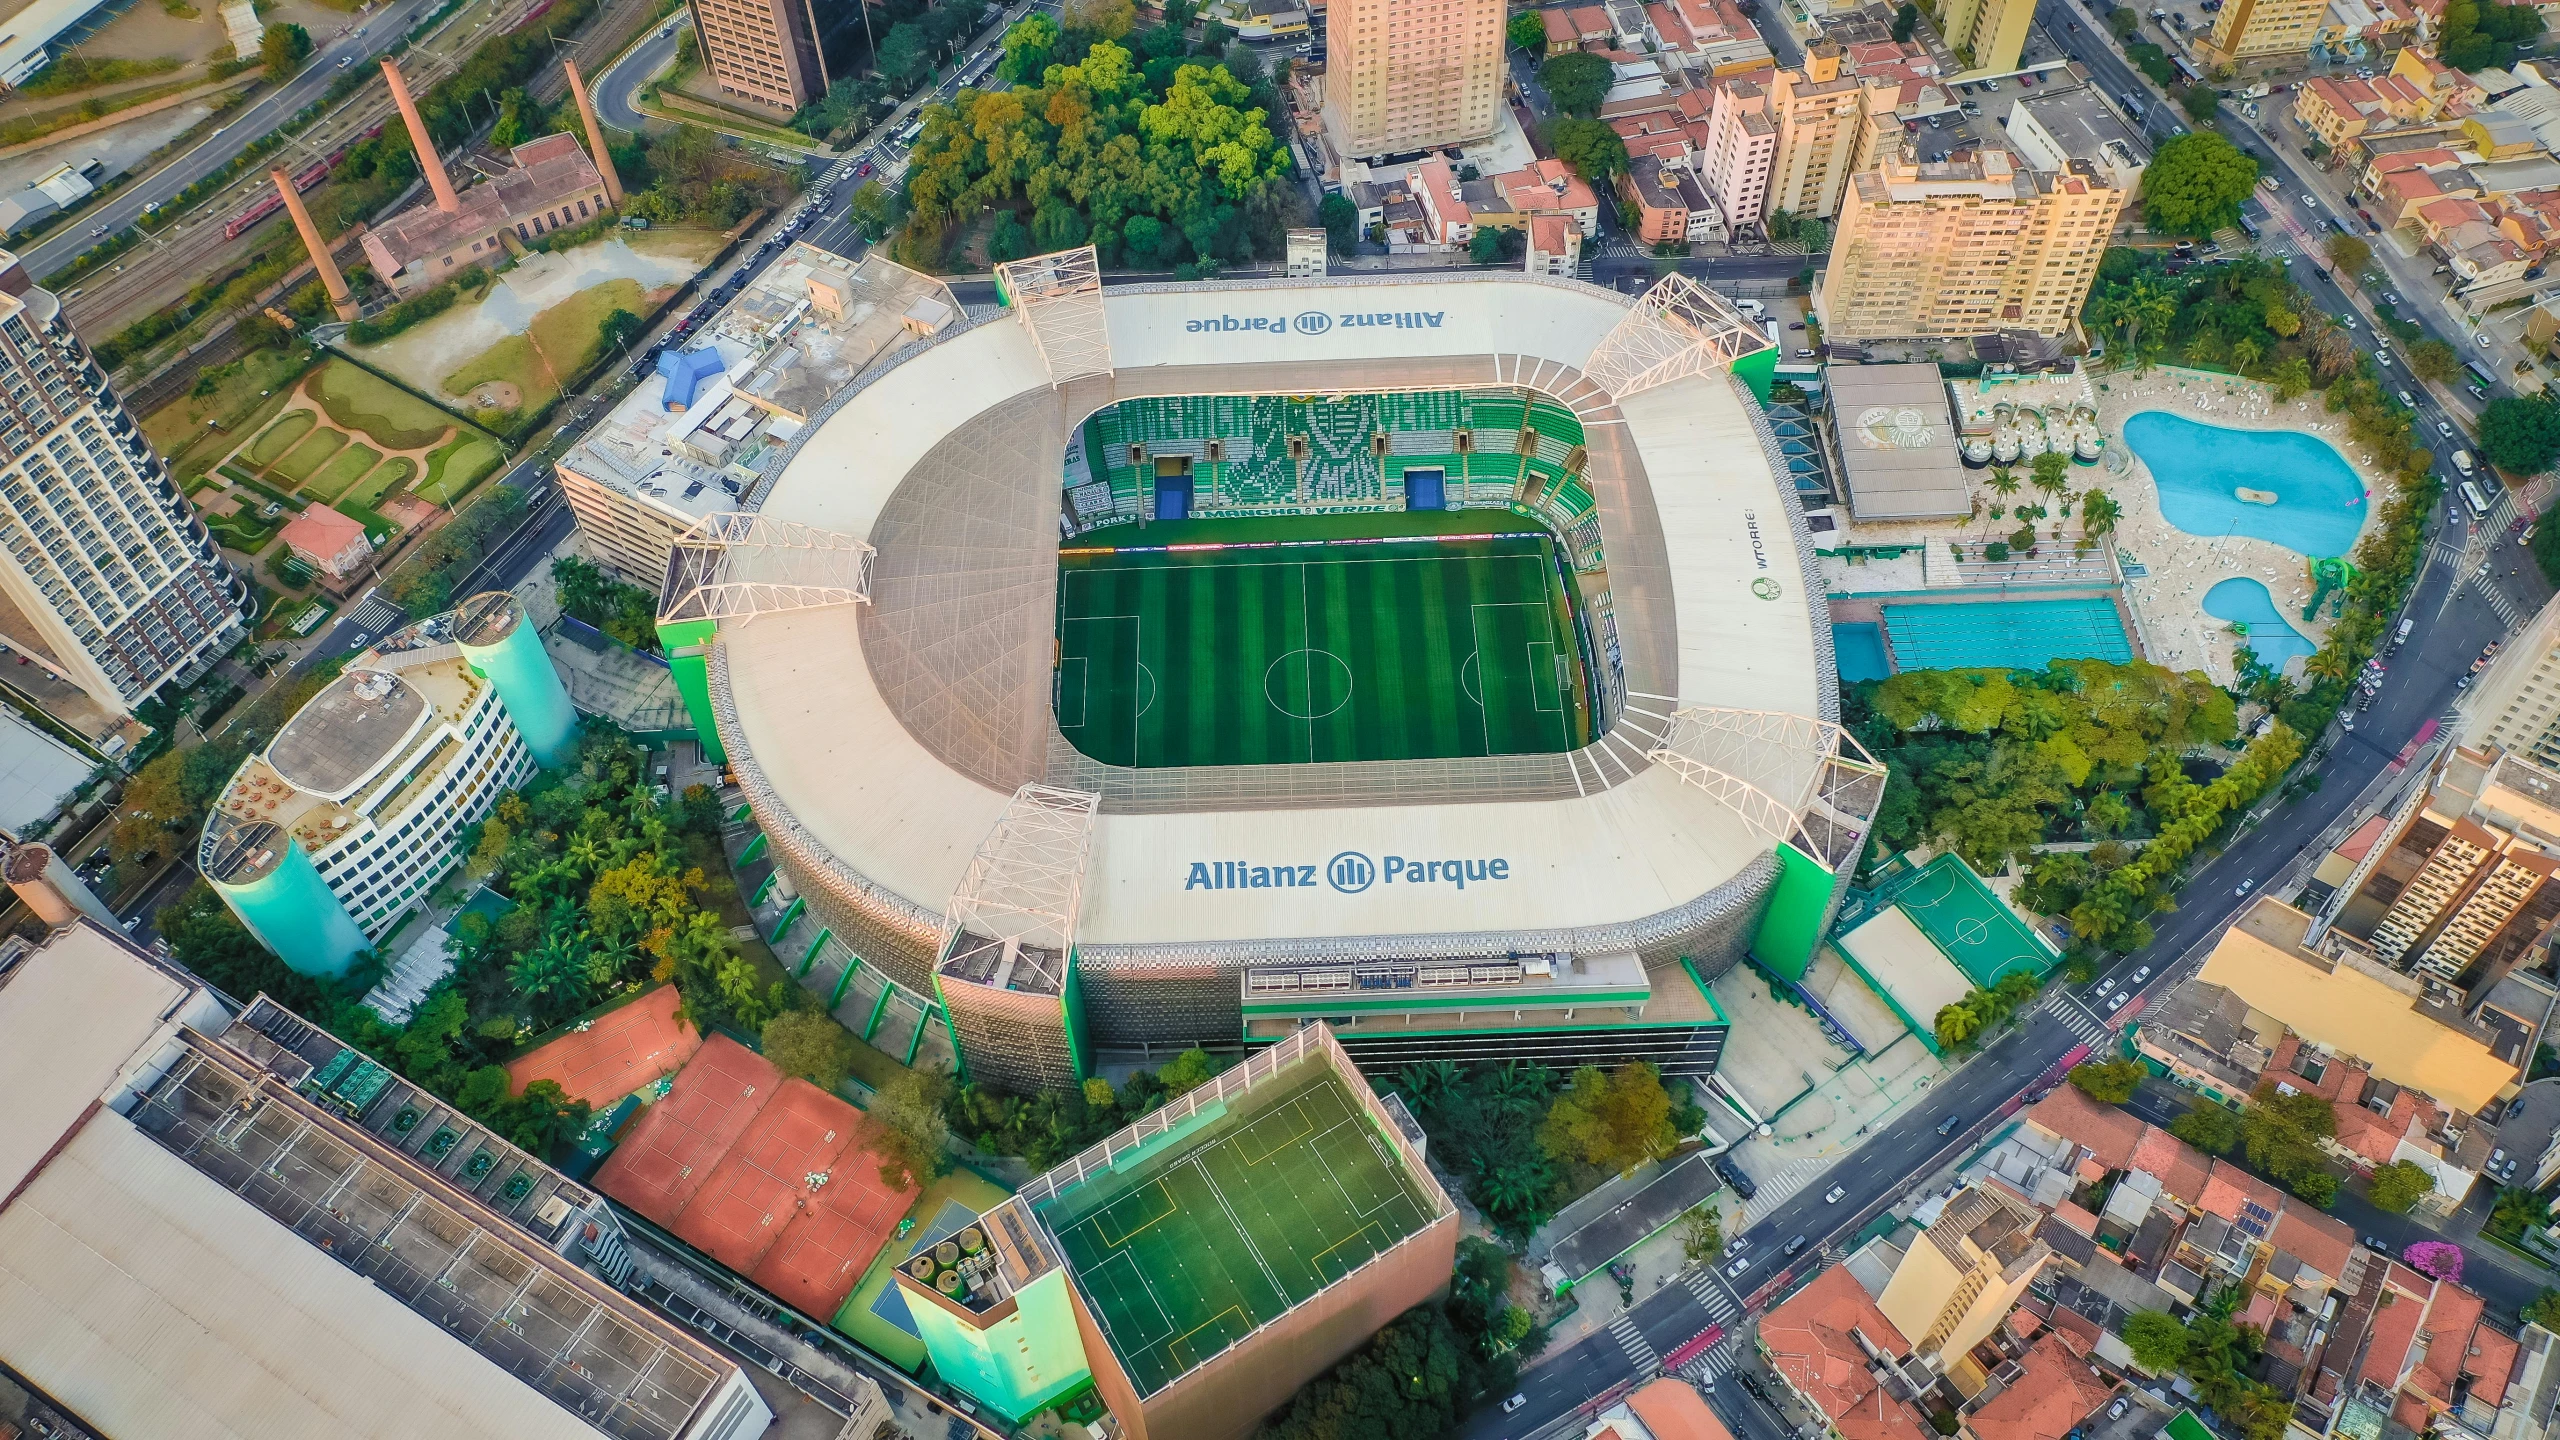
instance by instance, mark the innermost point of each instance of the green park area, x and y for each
(350, 439)
(521, 374)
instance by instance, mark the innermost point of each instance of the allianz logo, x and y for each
(1348, 873)
(1317, 322)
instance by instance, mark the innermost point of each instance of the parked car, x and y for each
(2377, 1244)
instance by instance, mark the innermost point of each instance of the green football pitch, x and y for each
(1292, 653)
(1230, 1235)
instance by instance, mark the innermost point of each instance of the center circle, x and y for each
(1307, 684)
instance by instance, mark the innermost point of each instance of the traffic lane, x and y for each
(216, 150)
(616, 86)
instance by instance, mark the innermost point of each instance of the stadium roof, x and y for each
(898, 757)
(1897, 442)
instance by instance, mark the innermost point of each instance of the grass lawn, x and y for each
(357, 399)
(305, 459)
(512, 361)
(280, 437)
(377, 526)
(343, 471)
(571, 331)
(389, 477)
(456, 466)
(198, 430)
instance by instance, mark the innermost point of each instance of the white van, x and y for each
(2478, 503)
(2402, 638)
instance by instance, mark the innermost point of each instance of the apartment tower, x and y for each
(2516, 703)
(2255, 29)
(1989, 34)
(1410, 74)
(764, 52)
(111, 583)
(1966, 246)
(1791, 142)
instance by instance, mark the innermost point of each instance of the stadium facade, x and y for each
(1287, 1171)
(893, 715)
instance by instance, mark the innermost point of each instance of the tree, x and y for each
(2281, 1133)
(1701, 1234)
(2208, 1127)
(2436, 1258)
(2433, 360)
(2123, 21)
(1577, 81)
(914, 1141)
(2099, 513)
(2520, 436)
(1485, 246)
(811, 1045)
(1905, 20)
(1528, 32)
(1341, 221)
(2195, 183)
(2543, 1309)
(2349, 254)
(873, 209)
(2109, 1082)
(1188, 1070)
(1409, 1381)
(2399, 1186)
(1105, 19)
(1590, 149)
(2200, 102)
(283, 49)
(1615, 1119)
(2158, 1342)
(1028, 46)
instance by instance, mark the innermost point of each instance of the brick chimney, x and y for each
(595, 135)
(424, 143)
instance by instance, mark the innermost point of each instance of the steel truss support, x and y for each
(1676, 329)
(1058, 297)
(1024, 886)
(1795, 779)
(736, 564)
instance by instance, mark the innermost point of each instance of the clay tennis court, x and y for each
(622, 1051)
(729, 1161)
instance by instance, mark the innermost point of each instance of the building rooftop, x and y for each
(1898, 444)
(2050, 1395)
(754, 376)
(2085, 125)
(542, 172)
(345, 730)
(1824, 1340)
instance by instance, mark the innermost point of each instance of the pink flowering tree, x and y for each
(2436, 1258)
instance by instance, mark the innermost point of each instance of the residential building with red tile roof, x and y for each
(1822, 1342)
(2052, 1393)
(2106, 1134)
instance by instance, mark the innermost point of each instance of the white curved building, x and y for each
(889, 709)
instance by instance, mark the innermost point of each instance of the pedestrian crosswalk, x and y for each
(1724, 1310)
(2077, 1017)
(375, 614)
(2508, 614)
(1631, 1340)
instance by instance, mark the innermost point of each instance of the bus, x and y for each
(2481, 379)
(2478, 502)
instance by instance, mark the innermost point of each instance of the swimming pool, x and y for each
(2271, 633)
(2005, 634)
(1859, 649)
(2320, 502)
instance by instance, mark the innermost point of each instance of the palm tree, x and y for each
(1956, 1026)
(2003, 481)
(553, 975)
(2099, 513)
(2245, 352)
(2329, 662)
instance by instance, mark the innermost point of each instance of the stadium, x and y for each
(1442, 657)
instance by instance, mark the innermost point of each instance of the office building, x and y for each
(217, 1224)
(1967, 246)
(2261, 29)
(356, 809)
(1047, 1295)
(1411, 74)
(1988, 35)
(706, 429)
(112, 585)
(2515, 703)
(764, 52)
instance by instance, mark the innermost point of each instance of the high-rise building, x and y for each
(1411, 74)
(1987, 34)
(764, 52)
(1965, 1273)
(2516, 704)
(2249, 29)
(110, 583)
(2455, 884)
(217, 1223)
(359, 805)
(1195, 1324)
(1791, 142)
(1970, 245)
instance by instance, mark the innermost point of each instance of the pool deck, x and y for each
(2182, 567)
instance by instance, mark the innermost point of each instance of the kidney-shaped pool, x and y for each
(2313, 503)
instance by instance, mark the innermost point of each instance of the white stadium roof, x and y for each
(894, 733)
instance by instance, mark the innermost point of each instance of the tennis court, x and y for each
(2005, 634)
(1350, 649)
(1188, 1255)
(1961, 916)
(614, 1053)
(671, 1149)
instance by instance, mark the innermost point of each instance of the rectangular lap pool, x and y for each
(1859, 648)
(2004, 634)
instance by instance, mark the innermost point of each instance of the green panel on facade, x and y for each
(1792, 925)
(687, 644)
(1759, 370)
(1071, 1003)
(810, 956)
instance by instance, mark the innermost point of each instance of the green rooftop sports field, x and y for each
(1190, 1255)
(1304, 639)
